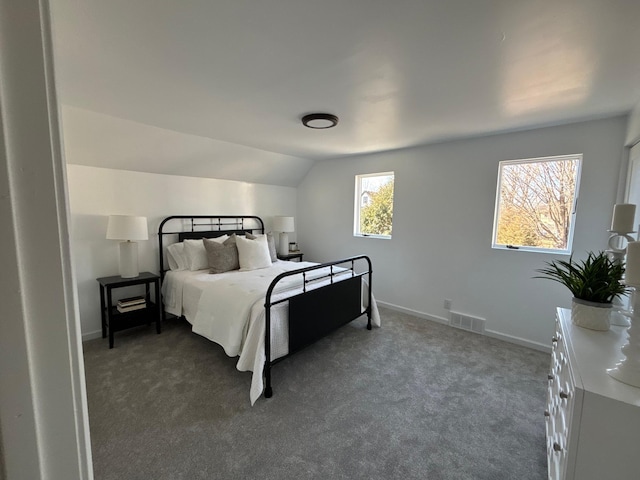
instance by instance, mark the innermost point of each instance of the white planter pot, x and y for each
(595, 316)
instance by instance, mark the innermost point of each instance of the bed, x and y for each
(260, 315)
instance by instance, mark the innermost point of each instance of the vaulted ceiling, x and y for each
(239, 74)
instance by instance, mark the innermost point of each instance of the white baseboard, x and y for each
(489, 333)
(518, 341)
(91, 335)
(415, 313)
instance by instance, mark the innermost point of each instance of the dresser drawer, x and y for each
(560, 402)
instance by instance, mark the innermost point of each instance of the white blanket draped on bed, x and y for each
(231, 313)
(225, 306)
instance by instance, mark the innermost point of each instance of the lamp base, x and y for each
(129, 259)
(627, 370)
(283, 247)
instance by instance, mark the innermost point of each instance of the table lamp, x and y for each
(128, 228)
(284, 225)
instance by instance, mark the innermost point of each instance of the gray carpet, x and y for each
(411, 400)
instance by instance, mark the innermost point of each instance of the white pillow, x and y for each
(253, 254)
(197, 255)
(220, 239)
(176, 258)
(173, 265)
(270, 242)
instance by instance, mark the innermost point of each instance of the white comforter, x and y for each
(231, 312)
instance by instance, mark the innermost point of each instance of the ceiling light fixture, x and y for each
(319, 120)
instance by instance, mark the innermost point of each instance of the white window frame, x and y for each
(357, 206)
(523, 248)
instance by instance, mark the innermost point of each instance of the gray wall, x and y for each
(443, 219)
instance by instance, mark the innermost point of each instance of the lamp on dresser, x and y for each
(284, 225)
(627, 370)
(128, 228)
(619, 236)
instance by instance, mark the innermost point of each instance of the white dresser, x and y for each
(592, 420)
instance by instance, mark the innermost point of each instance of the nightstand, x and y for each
(291, 256)
(113, 320)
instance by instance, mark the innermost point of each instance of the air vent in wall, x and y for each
(467, 322)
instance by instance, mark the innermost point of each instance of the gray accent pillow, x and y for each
(271, 243)
(222, 257)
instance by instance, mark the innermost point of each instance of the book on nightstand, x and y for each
(127, 302)
(138, 306)
(131, 304)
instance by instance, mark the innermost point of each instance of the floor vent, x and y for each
(467, 322)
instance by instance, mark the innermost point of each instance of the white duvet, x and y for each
(230, 310)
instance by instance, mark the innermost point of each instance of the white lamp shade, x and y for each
(126, 227)
(283, 224)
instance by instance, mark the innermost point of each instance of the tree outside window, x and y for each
(535, 203)
(374, 204)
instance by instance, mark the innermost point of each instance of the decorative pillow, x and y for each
(176, 258)
(271, 243)
(197, 255)
(222, 257)
(253, 253)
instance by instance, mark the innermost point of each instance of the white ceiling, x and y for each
(398, 73)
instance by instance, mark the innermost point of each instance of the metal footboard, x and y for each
(319, 310)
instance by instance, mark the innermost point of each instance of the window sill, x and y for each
(366, 235)
(532, 250)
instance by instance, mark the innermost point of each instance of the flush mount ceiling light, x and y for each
(319, 120)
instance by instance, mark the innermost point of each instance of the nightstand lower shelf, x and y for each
(116, 321)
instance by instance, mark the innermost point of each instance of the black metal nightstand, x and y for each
(113, 320)
(291, 256)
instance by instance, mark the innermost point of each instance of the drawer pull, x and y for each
(557, 447)
(550, 377)
(564, 395)
(554, 339)
(546, 413)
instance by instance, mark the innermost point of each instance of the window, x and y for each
(374, 205)
(535, 204)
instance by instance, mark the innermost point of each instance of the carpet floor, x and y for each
(411, 400)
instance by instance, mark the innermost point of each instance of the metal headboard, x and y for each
(205, 226)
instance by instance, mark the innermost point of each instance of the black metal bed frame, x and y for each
(315, 312)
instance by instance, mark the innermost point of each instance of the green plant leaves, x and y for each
(596, 279)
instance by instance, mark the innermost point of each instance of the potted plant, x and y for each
(594, 283)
